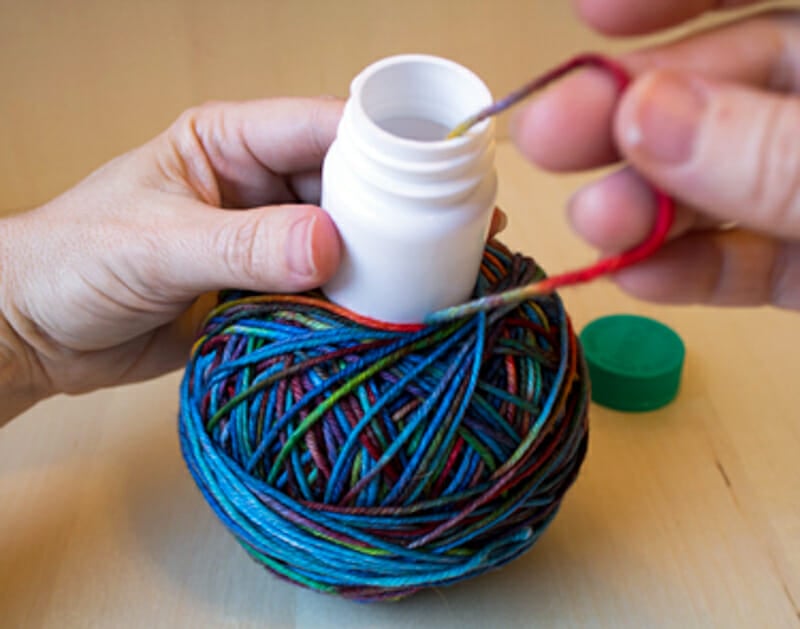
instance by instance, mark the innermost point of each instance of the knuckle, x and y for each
(776, 176)
(208, 125)
(239, 244)
(184, 129)
(318, 122)
(197, 113)
(318, 146)
(189, 156)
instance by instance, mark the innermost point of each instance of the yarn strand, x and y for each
(665, 206)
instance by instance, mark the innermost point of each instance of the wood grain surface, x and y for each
(685, 517)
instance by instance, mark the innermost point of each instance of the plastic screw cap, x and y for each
(635, 363)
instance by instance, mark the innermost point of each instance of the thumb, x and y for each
(282, 248)
(728, 150)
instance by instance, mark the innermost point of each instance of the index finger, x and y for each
(638, 17)
(569, 127)
(242, 154)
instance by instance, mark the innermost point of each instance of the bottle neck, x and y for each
(395, 123)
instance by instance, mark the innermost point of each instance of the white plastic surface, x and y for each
(412, 208)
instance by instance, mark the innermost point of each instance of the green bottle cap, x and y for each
(635, 363)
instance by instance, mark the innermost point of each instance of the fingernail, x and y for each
(300, 255)
(501, 220)
(665, 121)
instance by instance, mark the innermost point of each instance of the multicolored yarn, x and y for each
(665, 206)
(372, 460)
(587, 59)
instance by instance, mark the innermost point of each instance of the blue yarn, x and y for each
(369, 460)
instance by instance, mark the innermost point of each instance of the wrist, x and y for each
(20, 387)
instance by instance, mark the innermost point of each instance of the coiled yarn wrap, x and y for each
(372, 460)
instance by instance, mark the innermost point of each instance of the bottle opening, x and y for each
(418, 97)
(412, 128)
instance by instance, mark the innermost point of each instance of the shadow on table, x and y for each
(181, 535)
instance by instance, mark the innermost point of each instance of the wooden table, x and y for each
(686, 517)
(689, 516)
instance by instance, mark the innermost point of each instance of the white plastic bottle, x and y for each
(412, 208)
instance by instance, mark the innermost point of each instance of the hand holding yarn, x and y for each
(708, 125)
(97, 287)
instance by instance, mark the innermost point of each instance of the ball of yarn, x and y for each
(372, 460)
